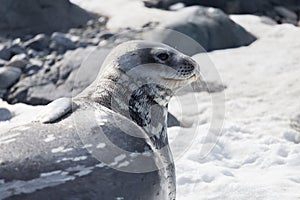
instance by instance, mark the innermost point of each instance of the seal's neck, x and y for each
(148, 108)
(146, 105)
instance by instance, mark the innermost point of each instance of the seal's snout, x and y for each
(189, 68)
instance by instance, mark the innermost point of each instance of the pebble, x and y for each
(8, 76)
(5, 53)
(32, 53)
(16, 41)
(63, 40)
(288, 15)
(32, 69)
(39, 43)
(18, 61)
(5, 114)
(16, 49)
(2, 93)
(106, 36)
(177, 6)
(2, 62)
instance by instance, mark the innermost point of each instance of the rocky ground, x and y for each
(40, 68)
(257, 65)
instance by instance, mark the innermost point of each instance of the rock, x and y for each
(32, 53)
(62, 42)
(5, 114)
(106, 36)
(8, 76)
(82, 44)
(177, 6)
(2, 93)
(209, 27)
(16, 49)
(172, 120)
(36, 62)
(50, 60)
(5, 53)
(258, 7)
(17, 41)
(285, 15)
(229, 6)
(19, 61)
(39, 16)
(39, 43)
(32, 69)
(57, 81)
(19, 57)
(2, 62)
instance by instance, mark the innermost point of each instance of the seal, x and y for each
(114, 145)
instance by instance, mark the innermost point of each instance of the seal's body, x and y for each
(114, 145)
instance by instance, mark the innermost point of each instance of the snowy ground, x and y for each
(257, 155)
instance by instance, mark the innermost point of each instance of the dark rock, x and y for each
(32, 69)
(2, 62)
(285, 15)
(50, 60)
(5, 114)
(259, 7)
(38, 43)
(229, 6)
(17, 49)
(8, 76)
(61, 39)
(60, 80)
(106, 36)
(172, 120)
(5, 53)
(209, 27)
(2, 92)
(32, 53)
(19, 61)
(39, 16)
(82, 44)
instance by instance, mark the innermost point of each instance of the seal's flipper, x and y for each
(55, 110)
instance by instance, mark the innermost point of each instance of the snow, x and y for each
(257, 25)
(257, 153)
(22, 115)
(124, 13)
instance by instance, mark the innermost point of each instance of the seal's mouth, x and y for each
(193, 77)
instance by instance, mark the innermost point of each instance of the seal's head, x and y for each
(138, 78)
(144, 62)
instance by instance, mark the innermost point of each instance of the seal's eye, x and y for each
(163, 56)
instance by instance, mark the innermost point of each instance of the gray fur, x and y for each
(113, 146)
